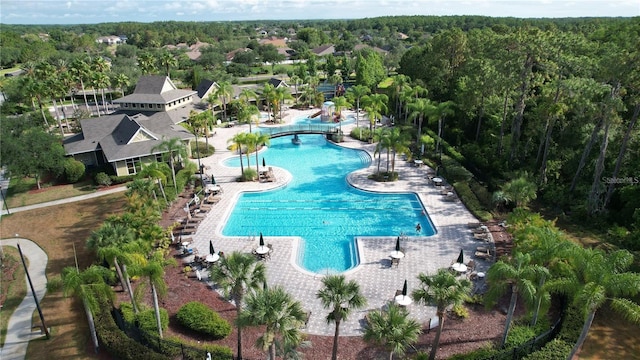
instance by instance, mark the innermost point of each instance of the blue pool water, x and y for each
(320, 206)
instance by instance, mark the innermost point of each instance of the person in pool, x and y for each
(418, 227)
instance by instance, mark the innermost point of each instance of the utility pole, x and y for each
(35, 297)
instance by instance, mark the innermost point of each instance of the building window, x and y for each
(159, 157)
(133, 166)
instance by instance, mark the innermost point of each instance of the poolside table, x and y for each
(396, 254)
(437, 181)
(262, 250)
(403, 300)
(459, 267)
(212, 258)
(418, 163)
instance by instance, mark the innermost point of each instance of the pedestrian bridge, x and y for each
(278, 131)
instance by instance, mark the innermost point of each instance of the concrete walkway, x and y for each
(64, 201)
(19, 327)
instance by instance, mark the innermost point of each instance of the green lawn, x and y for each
(24, 192)
(13, 286)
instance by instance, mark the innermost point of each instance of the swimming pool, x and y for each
(319, 205)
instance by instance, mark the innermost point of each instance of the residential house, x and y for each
(109, 40)
(380, 51)
(126, 139)
(324, 50)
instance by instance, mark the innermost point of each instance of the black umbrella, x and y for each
(263, 163)
(460, 257)
(404, 289)
(213, 180)
(211, 250)
(398, 244)
(261, 240)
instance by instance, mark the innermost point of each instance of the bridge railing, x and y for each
(298, 128)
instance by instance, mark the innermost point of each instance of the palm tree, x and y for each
(153, 271)
(281, 94)
(340, 297)
(246, 113)
(520, 191)
(158, 172)
(381, 136)
(375, 105)
(147, 63)
(355, 93)
(600, 277)
(279, 313)
(224, 94)
(419, 109)
(519, 276)
(441, 111)
(392, 329)
(268, 94)
(237, 273)
(88, 285)
(121, 81)
(174, 151)
(443, 290)
(296, 81)
(80, 69)
(260, 139)
(547, 248)
(167, 60)
(237, 142)
(106, 242)
(340, 103)
(399, 144)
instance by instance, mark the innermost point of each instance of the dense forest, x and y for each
(551, 103)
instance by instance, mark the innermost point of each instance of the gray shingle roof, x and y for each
(155, 89)
(112, 133)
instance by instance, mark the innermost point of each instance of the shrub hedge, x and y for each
(200, 318)
(73, 170)
(145, 319)
(116, 342)
(555, 349)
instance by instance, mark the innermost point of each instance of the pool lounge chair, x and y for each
(484, 255)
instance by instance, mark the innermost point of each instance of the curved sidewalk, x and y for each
(19, 327)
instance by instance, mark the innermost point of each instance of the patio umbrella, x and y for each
(261, 240)
(398, 244)
(264, 164)
(460, 257)
(213, 180)
(211, 250)
(404, 288)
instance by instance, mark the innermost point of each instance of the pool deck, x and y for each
(378, 280)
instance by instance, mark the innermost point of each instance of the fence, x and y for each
(535, 343)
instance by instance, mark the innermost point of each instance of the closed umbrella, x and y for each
(404, 288)
(261, 240)
(398, 244)
(460, 257)
(263, 163)
(211, 250)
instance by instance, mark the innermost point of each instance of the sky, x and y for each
(101, 11)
